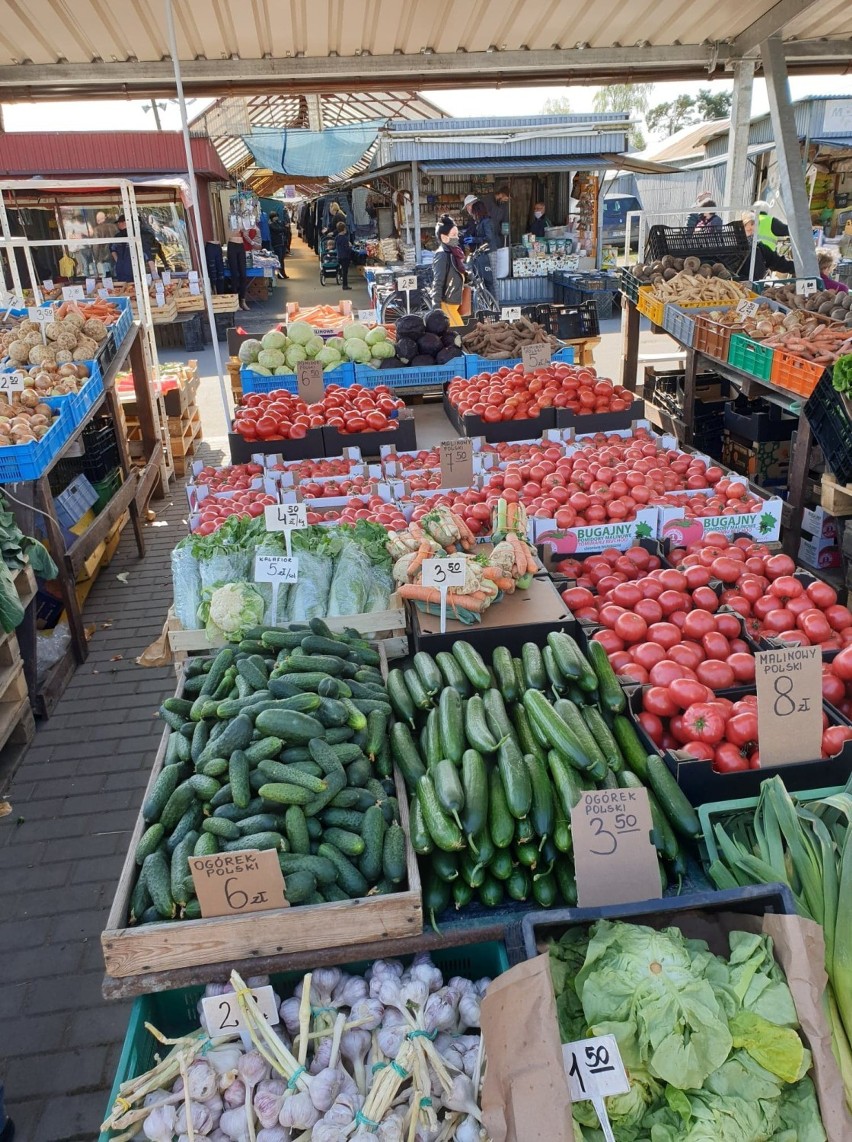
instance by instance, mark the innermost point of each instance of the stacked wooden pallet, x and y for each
(185, 435)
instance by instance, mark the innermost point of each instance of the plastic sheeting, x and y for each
(312, 153)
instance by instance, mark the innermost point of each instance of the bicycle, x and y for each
(420, 301)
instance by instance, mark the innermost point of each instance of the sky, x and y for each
(129, 115)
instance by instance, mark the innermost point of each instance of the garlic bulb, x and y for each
(160, 1124)
(234, 1095)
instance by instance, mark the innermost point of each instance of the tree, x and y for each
(628, 98)
(687, 110)
(710, 106)
(559, 106)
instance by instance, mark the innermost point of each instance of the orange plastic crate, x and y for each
(795, 374)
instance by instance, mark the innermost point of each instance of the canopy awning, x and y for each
(546, 165)
(313, 154)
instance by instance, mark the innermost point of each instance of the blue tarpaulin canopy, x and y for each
(315, 154)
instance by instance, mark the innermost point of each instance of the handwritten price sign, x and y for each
(614, 859)
(309, 381)
(510, 313)
(747, 308)
(595, 1072)
(806, 286)
(222, 1012)
(406, 283)
(278, 517)
(443, 574)
(456, 463)
(73, 293)
(789, 704)
(11, 383)
(535, 357)
(276, 569)
(232, 884)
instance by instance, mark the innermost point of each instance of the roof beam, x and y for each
(769, 24)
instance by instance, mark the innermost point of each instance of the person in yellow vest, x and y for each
(769, 229)
(766, 257)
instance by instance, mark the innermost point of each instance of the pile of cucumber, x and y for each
(278, 743)
(496, 756)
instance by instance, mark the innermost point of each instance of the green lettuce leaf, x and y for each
(778, 1049)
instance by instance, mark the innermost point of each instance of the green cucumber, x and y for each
(296, 830)
(544, 718)
(400, 697)
(221, 827)
(204, 787)
(359, 772)
(179, 873)
(603, 736)
(491, 892)
(504, 672)
(443, 830)
(501, 864)
(416, 689)
(566, 882)
(254, 671)
(167, 782)
(149, 842)
(677, 808)
(445, 865)
(473, 667)
(177, 804)
(236, 734)
(200, 737)
(632, 750)
(430, 739)
(515, 777)
(285, 793)
(436, 898)
(475, 792)
(451, 724)
(571, 716)
(157, 874)
(319, 867)
(534, 671)
(612, 696)
(377, 732)
(421, 842)
(373, 834)
(541, 809)
(326, 758)
(663, 835)
(545, 889)
(501, 823)
(206, 845)
(555, 676)
(566, 783)
(350, 844)
(405, 754)
(476, 730)
(495, 714)
(290, 725)
(299, 887)
(428, 672)
(263, 749)
(350, 819)
(336, 782)
(350, 880)
(453, 674)
(462, 893)
(265, 840)
(393, 854)
(448, 788)
(519, 884)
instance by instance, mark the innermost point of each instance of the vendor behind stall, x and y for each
(766, 258)
(539, 222)
(478, 231)
(498, 206)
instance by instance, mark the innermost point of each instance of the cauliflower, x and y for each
(249, 350)
(230, 610)
(274, 339)
(300, 333)
(270, 358)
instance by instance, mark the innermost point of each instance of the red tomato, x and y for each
(726, 569)
(698, 623)
(821, 594)
(778, 565)
(575, 598)
(833, 739)
(842, 665)
(697, 576)
(729, 759)
(649, 609)
(743, 667)
(687, 653)
(703, 722)
(647, 654)
(705, 598)
(742, 729)
(838, 617)
(728, 625)
(630, 627)
(815, 626)
(701, 751)
(665, 672)
(715, 645)
(652, 726)
(658, 701)
(609, 640)
(717, 675)
(666, 634)
(687, 691)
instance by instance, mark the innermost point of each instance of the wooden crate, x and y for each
(225, 302)
(164, 314)
(236, 384)
(835, 498)
(307, 927)
(187, 302)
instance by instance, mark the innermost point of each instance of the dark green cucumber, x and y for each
(535, 674)
(555, 677)
(611, 694)
(604, 737)
(443, 830)
(663, 835)
(264, 749)
(544, 717)
(373, 839)
(157, 874)
(564, 872)
(473, 667)
(285, 793)
(348, 876)
(405, 755)
(254, 672)
(683, 818)
(266, 840)
(275, 771)
(566, 783)
(462, 893)
(179, 873)
(501, 823)
(416, 689)
(204, 787)
(336, 782)
(545, 889)
(236, 734)
(167, 782)
(541, 809)
(573, 719)
(377, 732)
(451, 724)
(475, 790)
(421, 842)
(350, 844)
(445, 865)
(491, 892)
(448, 787)
(436, 898)
(433, 749)
(221, 827)
(299, 886)
(319, 867)
(453, 674)
(393, 854)
(400, 697)
(515, 777)
(501, 864)
(178, 803)
(504, 672)
(632, 750)
(326, 757)
(350, 819)
(476, 729)
(519, 884)
(290, 725)
(428, 672)
(149, 842)
(566, 653)
(359, 772)
(561, 827)
(296, 830)
(200, 737)
(495, 714)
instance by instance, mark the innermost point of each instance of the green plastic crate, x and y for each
(720, 812)
(174, 1013)
(751, 357)
(106, 489)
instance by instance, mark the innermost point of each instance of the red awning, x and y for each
(105, 154)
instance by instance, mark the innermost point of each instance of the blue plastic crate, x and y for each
(253, 382)
(120, 329)
(475, 365)
(28, 461)
(412, 378)
(79, 403)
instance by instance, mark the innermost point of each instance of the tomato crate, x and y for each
(650, 306)
(750, 357)
(174, 1013)
(795, 374)
(733, 814)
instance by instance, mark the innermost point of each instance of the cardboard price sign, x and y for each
(367, 316)
(48, 284)
(806, 286)
(90, 285)
(789, 704)
(595, 1072)
(510, 313)
(107, 284)
(41, 313)
(279, 517)
(73, 293)
(276, 569)
(232, 884)
(443, 574)
(194, 288)
(747, 308)
(166, 277)
(456, 463)
(406, 283)
(11, 383)
(222, 1012)
(535, 357)
(614, 859)
(309, 381)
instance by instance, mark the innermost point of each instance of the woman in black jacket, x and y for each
(448, 271)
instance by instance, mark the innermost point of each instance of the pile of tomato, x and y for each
(234, 478)
(762, 587)
(281, 415)
(371, 508)
(512, 394)
(473, 506)
(214, 511)
(523, 451)
(688, 717)
(413, 461)
(317, 469)
(328, 489)
(837, 681)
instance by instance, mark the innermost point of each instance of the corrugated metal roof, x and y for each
(810, 118)
(25, 153)
(591, 161)
(123, 44)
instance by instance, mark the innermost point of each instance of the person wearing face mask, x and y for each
(540, 222)
(448, 271)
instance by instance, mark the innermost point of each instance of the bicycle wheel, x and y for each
(486, 302)
(398, 305)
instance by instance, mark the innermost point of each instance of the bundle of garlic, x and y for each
(393, 1056)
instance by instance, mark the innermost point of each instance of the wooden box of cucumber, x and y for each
(170, 945)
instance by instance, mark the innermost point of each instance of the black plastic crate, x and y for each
(602, 299)
(829, 416)
(101, 449)
(728, 245)
(574, 322)
(758, 420)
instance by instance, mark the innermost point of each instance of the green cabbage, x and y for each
(261, 369)
(300, 333)
(274, 339)
(336, 343)
(382, 349)
(377, 334)
(270, 358)
(249, 350)
(295, 354)
(358, 351)
(355, 332)
(328, 356)
(314, 346)
(282, 371)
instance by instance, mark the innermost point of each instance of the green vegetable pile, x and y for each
(809, 848)
(496, 757)
(841, 374)
(710, 1044)
(280, 743)
(16, 551)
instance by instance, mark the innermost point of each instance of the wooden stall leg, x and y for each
(689, 396)
(67, 576)
(112, 403)
(145, 406)
(797, 484)
(629, 343)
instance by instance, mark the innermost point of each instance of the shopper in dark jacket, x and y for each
(448, 272)
(708, 219)
(344, 252)
(276, 232)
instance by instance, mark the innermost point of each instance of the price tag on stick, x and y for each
(614, 858)
(367, 316)
(309, 381)
(595, 1072)
(285, 517)
(407, 283)
(456, 463)
(223, 1016)
(233, 884)
(444, 573)
(535, 357)
(12, 383)
(747, 308)
(806, 286)
(90, 285)
(73, 293)
(510, 313)
(789, 704)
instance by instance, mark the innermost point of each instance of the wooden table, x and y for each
(137, 487)
(751, 388)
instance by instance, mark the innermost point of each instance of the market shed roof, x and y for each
(124, 153)
(50, 49)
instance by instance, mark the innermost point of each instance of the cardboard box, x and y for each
(758, 460)
(811, 554)
(819, 524)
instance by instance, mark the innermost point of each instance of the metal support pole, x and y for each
(737, 165)
(415, 202)
(791, 173)
(196, 214)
